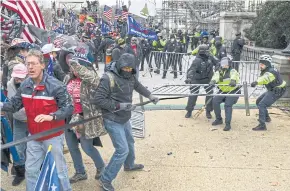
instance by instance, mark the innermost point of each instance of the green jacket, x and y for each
(159, 45)
(225, 77)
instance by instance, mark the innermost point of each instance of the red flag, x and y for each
(29, 12)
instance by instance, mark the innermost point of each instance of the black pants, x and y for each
(172, 61)
(229, 102)
(145, 56)
(192, 99)
(237, 58)
(159, 58)
(266, 100)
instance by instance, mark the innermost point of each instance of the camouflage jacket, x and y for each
(90, 81)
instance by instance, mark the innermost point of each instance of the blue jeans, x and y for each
(87, 146)
(20, 131)
(123, 142)
(35, 154)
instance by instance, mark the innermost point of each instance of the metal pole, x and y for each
(246, 97)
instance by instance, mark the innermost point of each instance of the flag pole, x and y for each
(49, 148)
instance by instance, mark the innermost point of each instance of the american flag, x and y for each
(108, 12)
(118, 13)
(29, 13)
(125, 14)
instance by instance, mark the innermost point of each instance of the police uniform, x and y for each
(276, 87)
(237, 49)
(171, 58)
(230, 77)
(158, 45)
(200, 72)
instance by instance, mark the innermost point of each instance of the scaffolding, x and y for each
(202, 14)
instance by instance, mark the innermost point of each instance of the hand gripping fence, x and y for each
(65, 127)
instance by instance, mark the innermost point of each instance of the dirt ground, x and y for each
(188, 155)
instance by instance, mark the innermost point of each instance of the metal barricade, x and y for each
(138, 124)
(249, 70)
(186, 90)
(169, 62)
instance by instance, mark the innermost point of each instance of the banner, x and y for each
(106, 28)
(134, 28)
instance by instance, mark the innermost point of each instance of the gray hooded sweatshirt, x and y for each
(114, 88)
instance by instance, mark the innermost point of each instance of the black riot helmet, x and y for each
(203, 49)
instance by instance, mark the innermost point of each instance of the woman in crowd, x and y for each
(81, 80)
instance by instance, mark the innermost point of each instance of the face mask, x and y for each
(172, 40)
(177, 40)
(17, 85)
(126, 75)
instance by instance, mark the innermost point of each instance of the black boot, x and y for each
(20, 175)
(208, 115)
(260, 127)
(227, 127)
(217, 122)
(142, 69)
(268, 119)
(188, 114)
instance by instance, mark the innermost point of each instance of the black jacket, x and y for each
(114, 89)
(145, 47)
(238, 45)
(170, 46)
(201, 68)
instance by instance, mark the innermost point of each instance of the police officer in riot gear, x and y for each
(200, 72)
(158, 45)
(178, 49)
(237, 49)
(146, 51)
(275, 85)
(171, 58)
(230, 77)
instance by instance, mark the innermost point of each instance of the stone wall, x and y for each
(233, 22)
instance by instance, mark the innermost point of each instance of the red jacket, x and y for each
(50, 96)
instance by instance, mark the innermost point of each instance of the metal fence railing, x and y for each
(163, 62)
(205, 90)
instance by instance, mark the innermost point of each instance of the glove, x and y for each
(233, 83)
(126, 107)
(212, 83)
(187, 81)
(254, 84)
(154, 99)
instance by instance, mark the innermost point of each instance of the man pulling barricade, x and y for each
(227, 79)
(275, 85)
(114, 97)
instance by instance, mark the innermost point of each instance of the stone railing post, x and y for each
(282, 63)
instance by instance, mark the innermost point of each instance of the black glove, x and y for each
(233, 83)
(154, 99)
(188, 81)
(126, 106)
(254, 84)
